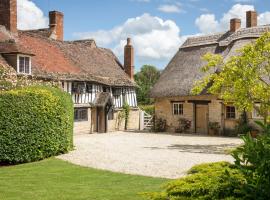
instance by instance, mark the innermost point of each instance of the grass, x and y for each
(54, 179)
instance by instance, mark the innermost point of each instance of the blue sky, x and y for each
(157, 27)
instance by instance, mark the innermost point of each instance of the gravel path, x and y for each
(157, 155)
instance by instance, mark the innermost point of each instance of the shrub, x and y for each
(253, 159)
(206, 181)
(160, 125)
(149, 109)
(183, 125)
(214, 128)
(36, 122)
(243, 126)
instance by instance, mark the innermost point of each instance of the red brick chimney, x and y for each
(57, 24)
(8, 14)
(251, 19)
(129, 59)
(235, 24)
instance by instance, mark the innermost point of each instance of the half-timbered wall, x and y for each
(119, 94)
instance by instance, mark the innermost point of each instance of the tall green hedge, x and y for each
(35, 123)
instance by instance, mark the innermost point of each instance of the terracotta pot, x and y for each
(211, 132)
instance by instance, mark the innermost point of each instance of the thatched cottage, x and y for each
(96, 79)
(172, 92)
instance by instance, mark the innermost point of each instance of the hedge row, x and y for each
(35, 123)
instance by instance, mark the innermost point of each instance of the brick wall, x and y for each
(8, 14)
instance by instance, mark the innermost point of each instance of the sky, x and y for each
(157, 27)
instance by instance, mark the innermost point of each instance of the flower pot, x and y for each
(211, 132)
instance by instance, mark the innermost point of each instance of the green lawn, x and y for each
(58, 180)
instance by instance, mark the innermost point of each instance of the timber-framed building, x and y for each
(97, 81)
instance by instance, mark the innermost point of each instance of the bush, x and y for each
(243, 126)
(149, 109)
(206, 181)
(36, 122)
(183, 125)
(253, 159)
(160, 125)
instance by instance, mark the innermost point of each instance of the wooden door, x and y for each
(202, 119)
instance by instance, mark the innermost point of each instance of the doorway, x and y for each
(201, 119)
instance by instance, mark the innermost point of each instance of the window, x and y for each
(116, 92)
(110, 114)
(178, 109)
(78, 88)
(255, 113)
(24, 65)
(230, 112)
(89, 88)
(81, 114)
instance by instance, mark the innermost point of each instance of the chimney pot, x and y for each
(57, 24)
(8, 14)
(251, 18)
(235, 24)
(128, 41)
(129, 59)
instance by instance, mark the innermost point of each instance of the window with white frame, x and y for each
(178, 108)
(24, 65)
(230, 112)
(255, 113)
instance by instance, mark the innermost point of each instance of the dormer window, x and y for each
(24, 65)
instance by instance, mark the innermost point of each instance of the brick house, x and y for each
(172, 92)
(97, 81)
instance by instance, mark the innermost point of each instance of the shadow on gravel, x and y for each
(206, 149)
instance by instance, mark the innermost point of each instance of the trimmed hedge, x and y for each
(219, 180)
(35, 123)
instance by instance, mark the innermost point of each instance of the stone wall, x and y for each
(216, 111)
(83, 126)
(118, 124)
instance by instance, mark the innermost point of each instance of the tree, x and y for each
(146, 78)
(243, 79)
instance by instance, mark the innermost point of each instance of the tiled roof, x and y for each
(65, 60)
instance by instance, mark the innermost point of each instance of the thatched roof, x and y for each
(178, 78)
(65, 60)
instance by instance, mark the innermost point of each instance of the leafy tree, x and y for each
(243, 79)
(145, 79)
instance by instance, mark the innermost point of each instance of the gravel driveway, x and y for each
(157, 155)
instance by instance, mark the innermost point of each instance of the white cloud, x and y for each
(264, 18)
(154, 39)
(30, 16)
(170, 8)
(207, 23)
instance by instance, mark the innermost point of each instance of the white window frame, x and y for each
(18, 64)
(179, 108)
(255, 114)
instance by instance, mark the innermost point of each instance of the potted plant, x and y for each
(214, 128)
(184, 125)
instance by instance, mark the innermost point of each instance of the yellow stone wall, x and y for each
(216, 111)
